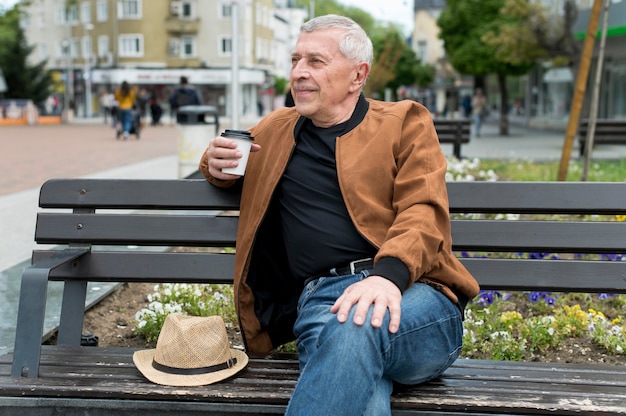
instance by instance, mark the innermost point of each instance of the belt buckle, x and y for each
(355, 262)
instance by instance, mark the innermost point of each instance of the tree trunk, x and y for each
(504, 105)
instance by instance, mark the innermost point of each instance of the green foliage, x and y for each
(23, 79)
(187, 299)
(280, 85)
(463, 24)
(528, 170)
(512, 327)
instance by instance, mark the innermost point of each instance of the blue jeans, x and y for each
(477, 119)
(126, 118)
(347, 369)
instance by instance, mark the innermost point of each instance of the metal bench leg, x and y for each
(30, 320)
(457, 150)
(72, 313)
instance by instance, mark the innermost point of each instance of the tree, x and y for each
(466, 27)
(529, 33)
(23, 80)
(395, 64)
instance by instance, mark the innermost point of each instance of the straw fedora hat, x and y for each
(190, 351)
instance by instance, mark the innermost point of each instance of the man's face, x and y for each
(325, 84)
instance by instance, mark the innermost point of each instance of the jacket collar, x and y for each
(357, 116)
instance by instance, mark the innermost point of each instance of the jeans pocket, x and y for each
(307, 292)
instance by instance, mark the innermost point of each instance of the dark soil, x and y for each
(112, 321)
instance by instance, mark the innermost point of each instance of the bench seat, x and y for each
(97, 375)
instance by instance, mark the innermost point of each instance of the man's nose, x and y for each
(299, 70)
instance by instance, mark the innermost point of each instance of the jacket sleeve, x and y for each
(419, 236)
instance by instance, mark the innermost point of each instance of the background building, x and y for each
(94, 45)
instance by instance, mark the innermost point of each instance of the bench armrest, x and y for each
(32, 309)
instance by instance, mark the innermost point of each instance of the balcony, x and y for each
(176, 25)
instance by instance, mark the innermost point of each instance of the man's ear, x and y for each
(360, 75)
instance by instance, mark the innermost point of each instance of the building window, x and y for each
(226, 46)
(226, 9)
(74, 48)
(188, 47)
(173, 47)
(85, 12)
(72, 15)
(102, 11)
(187, 9)
(60, 15)
(422, 50)
(129, 9)
(86, 47)
(103, 45)
(131, 45)
(43, 51)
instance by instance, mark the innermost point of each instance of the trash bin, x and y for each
(193, 135)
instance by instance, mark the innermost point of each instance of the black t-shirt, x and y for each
(316, 226)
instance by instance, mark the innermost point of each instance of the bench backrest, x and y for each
(453, 130)
(604, 128)
(154, 215)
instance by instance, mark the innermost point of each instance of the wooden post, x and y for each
(593, 111)
(579, 90)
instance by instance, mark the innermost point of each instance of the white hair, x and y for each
(354, 44)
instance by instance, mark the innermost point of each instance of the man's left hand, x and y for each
(376, 290)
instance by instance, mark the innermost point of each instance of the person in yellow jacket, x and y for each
(125, 96)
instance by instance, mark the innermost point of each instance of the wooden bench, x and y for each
(606, 132)
(455, 132)
(98, 218)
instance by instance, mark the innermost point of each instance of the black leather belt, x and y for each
(354, 267)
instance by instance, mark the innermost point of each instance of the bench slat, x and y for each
(537, 197)
(168, 230)
(534, 236)
(156, 267)
(548, 275)
(522, 274)
(136, 193)
(54, 228)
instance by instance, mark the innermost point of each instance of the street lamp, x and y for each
(67, 94)
(87, 68)
(234, 82)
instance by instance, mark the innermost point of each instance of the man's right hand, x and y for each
(223, 153)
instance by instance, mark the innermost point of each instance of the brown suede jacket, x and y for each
(391, 172)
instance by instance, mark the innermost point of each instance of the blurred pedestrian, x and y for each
(184, 95)
(125, 96)
(479, 108)
(106, 100)
(155, 110)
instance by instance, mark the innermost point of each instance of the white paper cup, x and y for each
(244, 143)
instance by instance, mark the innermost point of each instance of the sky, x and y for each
(397, 11)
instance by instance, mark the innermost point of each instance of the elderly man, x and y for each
(344, 234)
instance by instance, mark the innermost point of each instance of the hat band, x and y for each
(194, 371)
